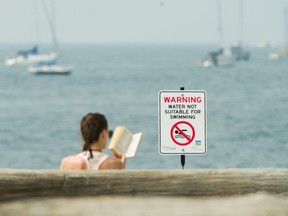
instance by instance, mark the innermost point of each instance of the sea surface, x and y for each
(247, 105)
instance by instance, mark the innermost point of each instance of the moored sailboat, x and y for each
(282, 53)
(30, 56)
(50, 66)
(222, 56)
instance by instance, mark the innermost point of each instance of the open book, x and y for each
(124, 142)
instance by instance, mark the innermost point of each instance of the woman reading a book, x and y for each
(94, 130)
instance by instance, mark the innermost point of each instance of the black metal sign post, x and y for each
(182, 156)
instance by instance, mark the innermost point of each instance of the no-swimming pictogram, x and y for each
(182, 133)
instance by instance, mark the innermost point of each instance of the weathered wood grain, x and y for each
(202, 182)
(258, 204)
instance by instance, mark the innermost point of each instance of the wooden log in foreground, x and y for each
(247, 205)
(202, 182)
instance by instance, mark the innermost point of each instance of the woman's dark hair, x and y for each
(92, 125)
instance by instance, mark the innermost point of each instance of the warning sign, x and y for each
(182, 122)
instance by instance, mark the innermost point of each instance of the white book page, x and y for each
(132, 149)
(122, 144)
(120, 140)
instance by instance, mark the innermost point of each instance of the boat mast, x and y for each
(220, 27)
(241, 19)
(37, 25)
(51, 22)
(286, 27)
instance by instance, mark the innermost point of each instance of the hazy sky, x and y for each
(133, 21)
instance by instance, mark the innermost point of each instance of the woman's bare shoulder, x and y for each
(112, 163)
(73, 162)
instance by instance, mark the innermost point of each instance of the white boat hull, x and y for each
(279, 54)
(30, 59)
(50, 69)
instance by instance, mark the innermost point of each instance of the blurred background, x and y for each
(62, 59)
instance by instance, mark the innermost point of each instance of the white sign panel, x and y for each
(182, 122)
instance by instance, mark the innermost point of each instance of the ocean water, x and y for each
(246, 105)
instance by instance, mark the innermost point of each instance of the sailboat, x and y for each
(282, 53)
(237, 50)
(221, 57)
(50, 66)
(30, 56)
(239, 53)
